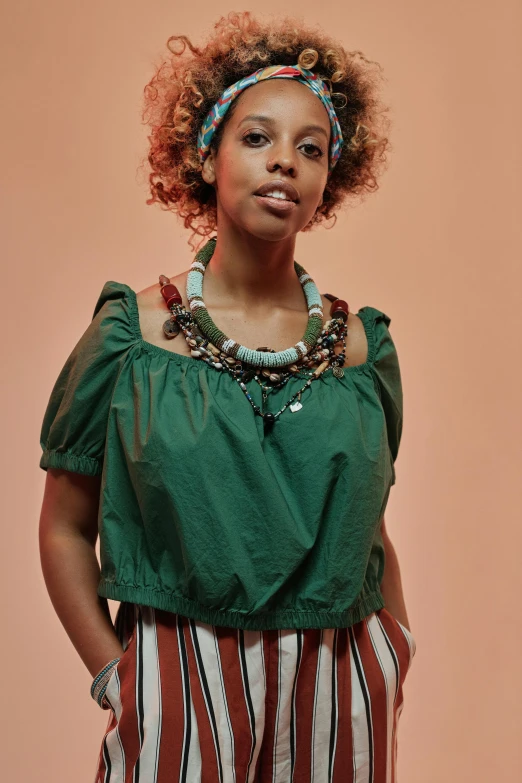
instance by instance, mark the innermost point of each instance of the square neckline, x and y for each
(362, 313)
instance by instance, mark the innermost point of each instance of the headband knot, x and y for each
(317, 85)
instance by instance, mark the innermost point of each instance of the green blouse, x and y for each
(203, 513)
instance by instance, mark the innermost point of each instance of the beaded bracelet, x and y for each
(99, 684)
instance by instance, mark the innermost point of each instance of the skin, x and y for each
(250, 286)
(252, 292)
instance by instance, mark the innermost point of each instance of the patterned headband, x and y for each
(318, 86)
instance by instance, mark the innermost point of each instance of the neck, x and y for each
(252, 273)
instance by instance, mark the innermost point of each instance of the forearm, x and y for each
(391, 585)
(71, 572)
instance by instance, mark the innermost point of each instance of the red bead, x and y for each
(340, 309)
(171, 295)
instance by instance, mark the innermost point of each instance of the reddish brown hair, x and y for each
(190, 80)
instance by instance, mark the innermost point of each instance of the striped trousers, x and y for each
(195, 702)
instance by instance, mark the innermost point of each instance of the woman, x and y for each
(231, 435)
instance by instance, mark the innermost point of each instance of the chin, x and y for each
(273, 235)
(274, 230)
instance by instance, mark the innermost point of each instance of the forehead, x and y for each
(283, 100)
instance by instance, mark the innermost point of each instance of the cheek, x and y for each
(312, 195)
(230, 175)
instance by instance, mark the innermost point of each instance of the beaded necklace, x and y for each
(230, 347)
(210, 344)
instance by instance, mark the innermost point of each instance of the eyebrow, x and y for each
(270, 121)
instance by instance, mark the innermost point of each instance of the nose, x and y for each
(283, 157)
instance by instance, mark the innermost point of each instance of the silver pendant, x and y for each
(338, 371)
(296, 406)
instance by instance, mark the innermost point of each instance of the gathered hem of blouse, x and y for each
(364, 314)
(76, 463)
(367, 603)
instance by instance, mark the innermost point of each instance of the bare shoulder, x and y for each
(153, 313)
(356, 340)
(151, 299)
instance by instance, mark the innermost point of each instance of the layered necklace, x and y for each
(310, 357)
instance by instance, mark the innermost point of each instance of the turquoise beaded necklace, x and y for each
(230, 347)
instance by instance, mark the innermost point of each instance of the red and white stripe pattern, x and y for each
(195, 702)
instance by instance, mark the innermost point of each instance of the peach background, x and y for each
(436, 248)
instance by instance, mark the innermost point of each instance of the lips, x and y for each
(276, 205)
(291, 194)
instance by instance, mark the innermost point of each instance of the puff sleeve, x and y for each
(75, 421)
(387, 375)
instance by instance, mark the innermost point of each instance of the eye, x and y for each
(254, 134)
(314, 151)
(314, 147)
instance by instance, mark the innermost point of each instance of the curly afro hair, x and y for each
(190, 80)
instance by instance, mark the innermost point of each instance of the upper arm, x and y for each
(70, 504)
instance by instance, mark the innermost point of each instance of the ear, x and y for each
(208, 172)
